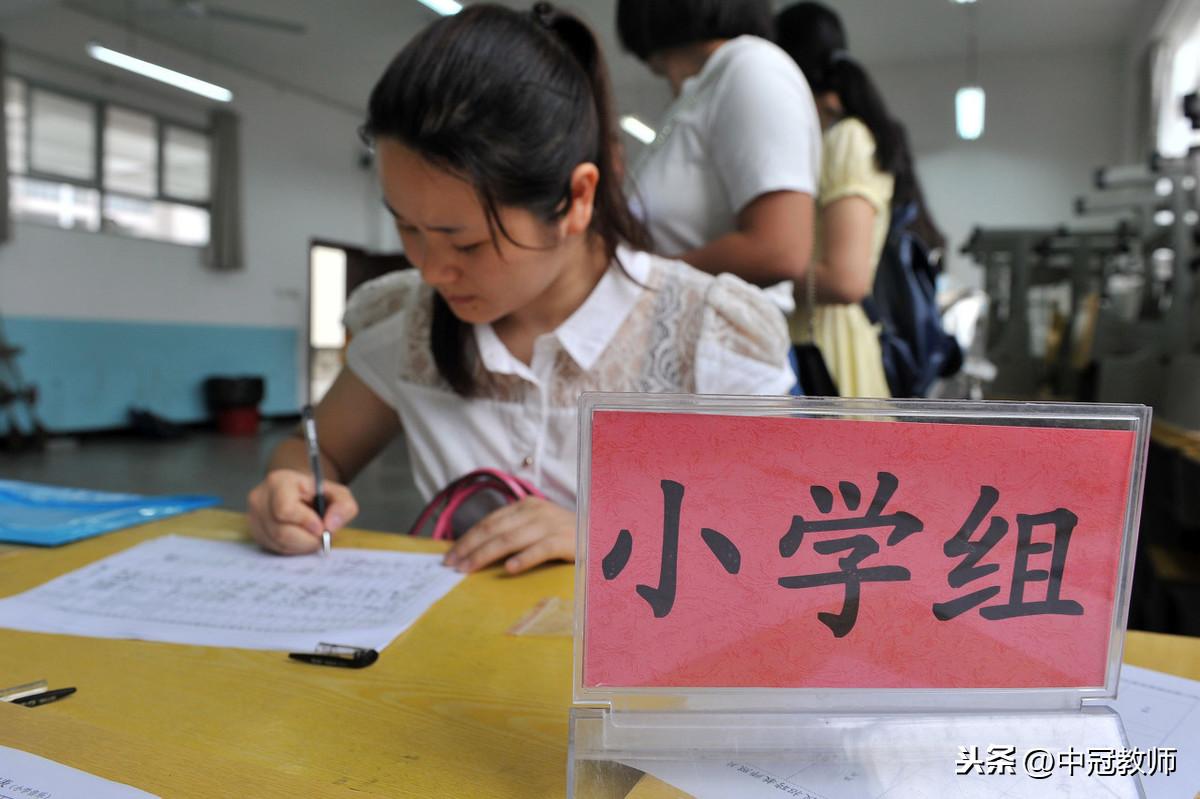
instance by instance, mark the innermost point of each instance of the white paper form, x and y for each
(896, 762)
(1163, 710)
(23, 776)
(221, 593)
(774, 780)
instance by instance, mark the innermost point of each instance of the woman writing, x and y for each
(498, 158)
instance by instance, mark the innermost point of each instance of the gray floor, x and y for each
(207, 463)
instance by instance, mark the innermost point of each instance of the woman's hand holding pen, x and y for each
(281, 512)
(523, 534)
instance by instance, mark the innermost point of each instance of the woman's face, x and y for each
(445, 232)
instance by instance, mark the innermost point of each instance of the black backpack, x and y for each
(916, 350)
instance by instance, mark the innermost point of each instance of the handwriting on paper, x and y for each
(220, 593)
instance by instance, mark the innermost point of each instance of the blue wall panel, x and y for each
(89, 373)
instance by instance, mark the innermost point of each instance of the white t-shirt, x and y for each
(670, 328)
(745, 125)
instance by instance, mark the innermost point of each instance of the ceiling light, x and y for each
(969, 105)
(155, 72)
(969, 101)
(447, 8)
(637, 129)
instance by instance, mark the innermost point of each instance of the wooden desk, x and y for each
(1174, 654)
(1186, 442)
(454, 707)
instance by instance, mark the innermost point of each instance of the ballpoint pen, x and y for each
(45, 697)
(348, 657)
(314, 456)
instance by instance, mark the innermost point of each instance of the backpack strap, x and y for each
(872, 310)
(447, 501)
(903, 215)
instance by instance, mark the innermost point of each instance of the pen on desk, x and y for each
(356, 661)
(314, 457)
(45, 697)
(349, 657)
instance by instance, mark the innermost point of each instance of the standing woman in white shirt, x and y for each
(498, 157)
(728, 184)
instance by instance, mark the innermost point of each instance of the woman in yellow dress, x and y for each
(861, 160)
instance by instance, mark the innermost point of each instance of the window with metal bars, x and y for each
(85, 163)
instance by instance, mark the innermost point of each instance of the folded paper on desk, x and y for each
(1158, 710)
(551, 617)
(23, 774)
(913, 757)
(220, 593)
(1162, 710)
(50, 516)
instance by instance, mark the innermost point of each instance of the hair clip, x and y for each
(543, 13)
(346, 657)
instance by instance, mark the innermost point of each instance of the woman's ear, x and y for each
(584, 179)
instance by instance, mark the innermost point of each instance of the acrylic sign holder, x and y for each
(828, 597)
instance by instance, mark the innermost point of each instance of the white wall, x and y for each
(1135, 74)
(300, 180)
(1052, 118)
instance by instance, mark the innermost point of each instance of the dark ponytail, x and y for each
(613, 220)
(812, 34)
(861, 100)
(908, 193)
(510, 102)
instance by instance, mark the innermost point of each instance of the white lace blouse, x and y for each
(671, 328)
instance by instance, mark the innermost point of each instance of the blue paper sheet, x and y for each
(50, 516)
